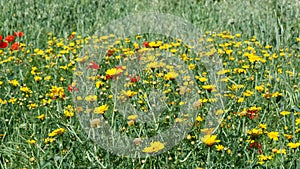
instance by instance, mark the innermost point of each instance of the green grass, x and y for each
(275, 23)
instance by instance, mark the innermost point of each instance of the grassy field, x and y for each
(43, 97)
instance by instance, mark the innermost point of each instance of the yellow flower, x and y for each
(248, 93)
(297, 121)
(276, 94)
(259, 88)
(173, 50)
(129, 93)
(254, 108)
(281, 151)
(33, 69)
(285, 113)
(111, 72)
(32, 106)
(25, 89)
(268, 46)
(13, 82)
(3, 101)
(294, 145)
(31, 141)
(44, 101)
(132, 117)
(253, 58)
(42, 117)
(57, 92)
(154, 147)
(209, 39)
(56, 132)
(181, 103)
(239, 70)
(199, 119)
(130, 123)
(209, 140)
(188, 137)
(219, 147)
(255, 132)
(170, 76)
(101, 109)
(37, 78)
(192, 66)
(224, 71)
(49, 140)
(99, 84)
(90, 98)
(68, 113)
(263, 126)
(235, 87)
(178, 120)
(264, 157)
(154, 44)
(273, 135)
(12, 100)
(138, 37)
(240, 100)
(288, 136)
(209, 87)
(202, 79)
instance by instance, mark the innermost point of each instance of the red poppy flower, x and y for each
(260, 151)
(146, 44)
(134, 79)
(18, 34)
(10, 38)
(108, 77)
(252, 114)
(15, 46)
(110, 52)
(257, 145)
(71, 89)
(3, 44)
(93, 65)
(1, 37)
(71, 37)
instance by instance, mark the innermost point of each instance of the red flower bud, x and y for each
(146, 44)
(10, 38)
(15, 46)
(3, 44)
(18, 34)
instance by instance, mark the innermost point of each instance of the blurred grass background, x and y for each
(275, 22)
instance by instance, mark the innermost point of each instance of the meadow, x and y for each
(242, 113)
